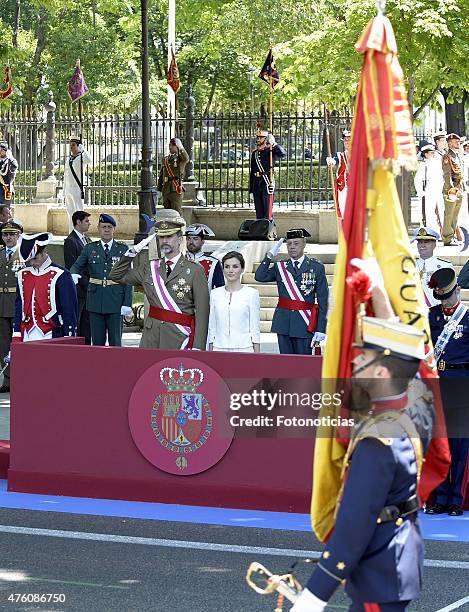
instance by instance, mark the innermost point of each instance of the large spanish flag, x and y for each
(382, 140)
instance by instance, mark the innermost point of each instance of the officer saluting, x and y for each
(301, 314)
(376, 546)
(427, 262)
(261, 183)
(449, 325)
(106, 300)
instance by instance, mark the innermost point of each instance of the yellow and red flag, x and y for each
(173, 74)
(382, 138)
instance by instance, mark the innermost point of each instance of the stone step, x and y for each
(265, 327)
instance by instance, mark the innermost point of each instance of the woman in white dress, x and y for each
(234, 323)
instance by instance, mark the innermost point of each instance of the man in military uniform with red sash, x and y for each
(301, 314)
(176, 289)
(195, 238)
(172, 175)
(46, 299)
(342, 161)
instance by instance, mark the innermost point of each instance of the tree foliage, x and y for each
(221, 45)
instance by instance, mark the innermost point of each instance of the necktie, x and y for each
(9, 253)
(297, 265)
(106, 249)
(168, 268)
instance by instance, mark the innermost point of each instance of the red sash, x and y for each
(176, 182)
(288, 304)
(174, 317)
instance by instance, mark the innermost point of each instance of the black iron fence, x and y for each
(219, 145)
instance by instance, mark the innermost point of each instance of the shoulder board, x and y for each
(444, 261)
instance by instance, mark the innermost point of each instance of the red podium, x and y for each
(70, 432)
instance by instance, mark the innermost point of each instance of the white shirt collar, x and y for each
(44, 265)
(300, 261)
(81, 236)
(174, 259)
(11, 249)
(108, 243)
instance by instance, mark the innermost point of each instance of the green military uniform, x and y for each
(453, 174)
(104, 298)
(9, 266)
(171, 177)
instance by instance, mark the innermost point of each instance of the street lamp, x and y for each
(146, 193)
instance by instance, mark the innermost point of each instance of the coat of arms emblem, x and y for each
(181, 418)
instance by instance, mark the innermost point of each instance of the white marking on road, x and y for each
(187, 544)
(455, 605)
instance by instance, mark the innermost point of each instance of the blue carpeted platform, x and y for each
(454, 529)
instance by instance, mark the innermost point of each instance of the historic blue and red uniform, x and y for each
(46, 303)
(376, 548)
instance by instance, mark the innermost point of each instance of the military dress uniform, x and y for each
(46, 298)
(105, 297)
(428, 181)
(8, 170)
(450, 337)
(10, 263)
(211, 265)
(260, 176)
(453, 190)
(426, 267)
(74, 179)
(309, 276)
(178, 297)
(376, 548)
(171, 177)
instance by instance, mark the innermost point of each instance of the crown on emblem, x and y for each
(180, 379)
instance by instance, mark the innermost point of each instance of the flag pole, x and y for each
(271, 127)
(80, 108)
(331, 172)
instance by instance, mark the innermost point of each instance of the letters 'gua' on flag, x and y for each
(173, 74)
(77, 88)
(269, 73)
(5, 93)
(381, 137)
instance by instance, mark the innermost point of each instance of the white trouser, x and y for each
(248, 349)
(434, 211)
(73, 202)
(36, 334)
(342, 198)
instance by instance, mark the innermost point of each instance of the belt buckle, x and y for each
(442, 365)
(104, 282)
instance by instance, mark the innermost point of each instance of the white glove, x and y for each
(126, 311)
(81, 148)
(75, 278)
(273, 252)
(371, 268)
(330, 161)
(251, 197)
(135, 250)
(317, 338)
(7, 358)
(178, 143)
(194, 349)
(271, 140)
(307, 602)
(270, 189)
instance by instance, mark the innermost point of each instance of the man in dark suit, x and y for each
(106, 301)
(73, 246)
(301, 314)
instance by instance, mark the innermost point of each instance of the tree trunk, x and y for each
(213, 87)
(16, 24)
(454, 111)
(35, 76)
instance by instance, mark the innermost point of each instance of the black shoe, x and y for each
(454, 510)
(436, 509)
(4, 389)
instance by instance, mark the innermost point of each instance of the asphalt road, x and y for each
(169, 569)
